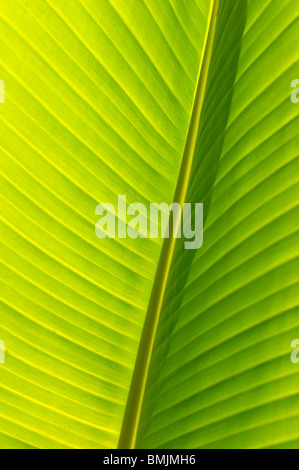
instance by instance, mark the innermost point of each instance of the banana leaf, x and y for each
(140, 343)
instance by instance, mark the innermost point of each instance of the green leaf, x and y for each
(140, 343)
(220, 374)
(98, 101)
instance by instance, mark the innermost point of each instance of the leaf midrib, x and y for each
(131, 420)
